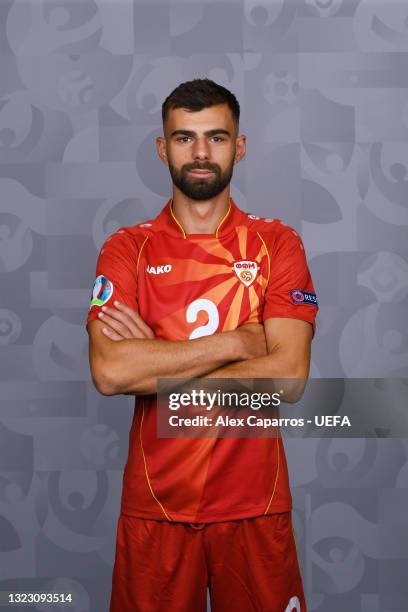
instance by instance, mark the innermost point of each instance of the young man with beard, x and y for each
(171, 300)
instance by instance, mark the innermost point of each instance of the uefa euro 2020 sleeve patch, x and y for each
(102, 291)
(303, 297)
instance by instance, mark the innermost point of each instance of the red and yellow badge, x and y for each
(246, 271)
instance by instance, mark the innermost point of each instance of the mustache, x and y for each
(210, 167)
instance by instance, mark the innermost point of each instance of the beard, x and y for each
(197, 188)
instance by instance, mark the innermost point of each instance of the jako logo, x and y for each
(158, 269)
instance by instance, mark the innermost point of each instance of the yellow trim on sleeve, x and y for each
(140, 252)
(137, 264)
(267, 253)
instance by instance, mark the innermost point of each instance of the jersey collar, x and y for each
(169, 222)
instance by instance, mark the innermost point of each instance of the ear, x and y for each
(162, 149)
(240, 148)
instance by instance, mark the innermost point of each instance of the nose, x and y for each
(201, 149)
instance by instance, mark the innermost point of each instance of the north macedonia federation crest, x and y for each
(246, 271)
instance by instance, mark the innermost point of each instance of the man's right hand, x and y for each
(253, 340)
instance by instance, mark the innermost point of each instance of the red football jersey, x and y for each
(187, 286)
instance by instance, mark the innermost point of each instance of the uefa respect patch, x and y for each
(303, 297)
(102, 291)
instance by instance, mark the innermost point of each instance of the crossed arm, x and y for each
(125, 357)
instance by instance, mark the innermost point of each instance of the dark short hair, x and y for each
(198, 94)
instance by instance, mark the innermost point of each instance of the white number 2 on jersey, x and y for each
(213, 317)
(293, 605)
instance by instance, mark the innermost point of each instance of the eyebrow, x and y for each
(208, 133)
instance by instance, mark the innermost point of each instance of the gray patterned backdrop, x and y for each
(323, 86)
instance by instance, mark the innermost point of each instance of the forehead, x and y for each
(217, 116)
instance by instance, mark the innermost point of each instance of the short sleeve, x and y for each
(290, 292)
(116, 273)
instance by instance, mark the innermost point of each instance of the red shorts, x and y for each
(249, 565)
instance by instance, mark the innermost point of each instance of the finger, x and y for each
(110, 333)
(115, 325)
(125, 320)
(122, 329)
(136, 318)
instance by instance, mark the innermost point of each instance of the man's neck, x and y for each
(200, 217)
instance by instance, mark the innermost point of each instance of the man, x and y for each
(173, 298)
